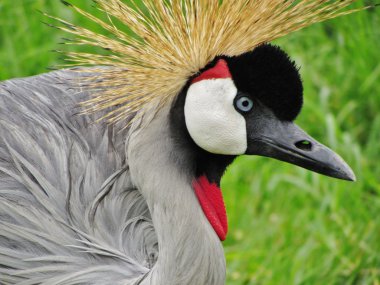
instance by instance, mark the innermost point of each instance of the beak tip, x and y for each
(343, 170)
(349, 175)
(352, 177)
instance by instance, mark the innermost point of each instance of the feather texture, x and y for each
(164, 43)
(68, 211)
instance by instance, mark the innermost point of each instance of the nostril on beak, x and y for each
(304, 145)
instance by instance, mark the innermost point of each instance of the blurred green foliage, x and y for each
(287, 225)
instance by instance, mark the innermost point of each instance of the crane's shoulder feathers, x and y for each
(69, 213)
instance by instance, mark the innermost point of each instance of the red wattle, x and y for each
(220, 70)
(211, 200)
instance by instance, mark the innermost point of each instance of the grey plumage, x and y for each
(70, 211)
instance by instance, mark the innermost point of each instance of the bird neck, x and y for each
(190, 251)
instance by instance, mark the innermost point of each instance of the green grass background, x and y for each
(287, 225)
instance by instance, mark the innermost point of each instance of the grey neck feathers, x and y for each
(189, 250)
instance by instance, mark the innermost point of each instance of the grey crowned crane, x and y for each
(110, 172)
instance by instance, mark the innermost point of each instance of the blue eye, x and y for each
(244, 104)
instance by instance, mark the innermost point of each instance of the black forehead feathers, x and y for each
(269, 75)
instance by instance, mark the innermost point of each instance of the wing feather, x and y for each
(69, 213)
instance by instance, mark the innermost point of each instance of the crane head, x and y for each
(247, 104)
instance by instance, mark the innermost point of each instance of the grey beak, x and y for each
(287, 142)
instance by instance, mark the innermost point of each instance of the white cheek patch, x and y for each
(211, 119)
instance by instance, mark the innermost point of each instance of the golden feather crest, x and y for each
(168, 41)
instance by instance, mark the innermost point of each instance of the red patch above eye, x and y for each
(220, 70)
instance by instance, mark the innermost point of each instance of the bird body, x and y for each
(136, 199)
(56, 169)
(70, 209)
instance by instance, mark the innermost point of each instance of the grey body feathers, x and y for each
(68, 209)
(79, 205)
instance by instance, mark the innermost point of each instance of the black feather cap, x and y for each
(270, 76)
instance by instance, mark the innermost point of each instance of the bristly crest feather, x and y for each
(172, 40)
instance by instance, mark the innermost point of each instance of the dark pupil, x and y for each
(245, 103)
